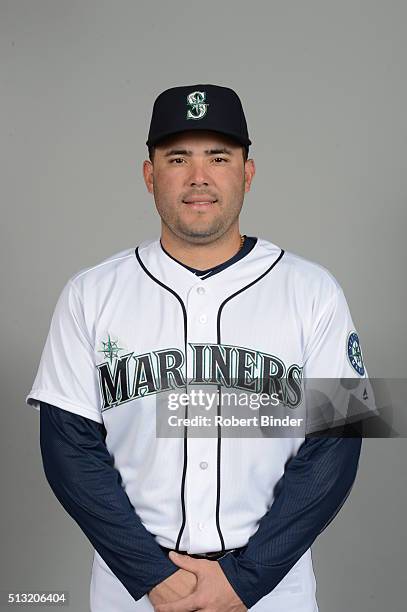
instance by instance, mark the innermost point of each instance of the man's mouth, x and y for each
(202, 199)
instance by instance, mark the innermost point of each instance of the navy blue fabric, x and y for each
(81, 473)
(312, 490)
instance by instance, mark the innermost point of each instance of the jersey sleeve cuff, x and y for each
(37, 395)
(166, 572)
(244, 578)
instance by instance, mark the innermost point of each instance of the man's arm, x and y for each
(80, 471)
(312, 490)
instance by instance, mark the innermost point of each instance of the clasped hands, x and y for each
(198, 585)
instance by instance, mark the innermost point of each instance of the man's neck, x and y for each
(202, 256)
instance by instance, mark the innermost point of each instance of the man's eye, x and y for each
(218, 159)
(176, 159)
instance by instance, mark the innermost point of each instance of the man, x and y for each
(199, 302)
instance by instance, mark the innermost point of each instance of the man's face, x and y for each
(198, 180)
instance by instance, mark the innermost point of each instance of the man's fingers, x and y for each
(186, 604)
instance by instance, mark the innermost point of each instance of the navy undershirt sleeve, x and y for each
(81, 473)
(312, 490)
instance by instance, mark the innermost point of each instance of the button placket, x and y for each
(202, 490)
(201, 478)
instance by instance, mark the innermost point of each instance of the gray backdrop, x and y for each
(324, 89)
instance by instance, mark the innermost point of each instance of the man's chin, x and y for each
(198, 235)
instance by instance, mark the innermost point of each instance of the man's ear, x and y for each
(148, 172)
(249, 172)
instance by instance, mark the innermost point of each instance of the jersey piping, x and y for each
(184, 469)
(218, 459)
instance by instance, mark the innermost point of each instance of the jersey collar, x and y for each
(168, 271)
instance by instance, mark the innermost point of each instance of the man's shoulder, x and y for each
(118, 265)
(309, 270)
(304, 274)
(107, 266)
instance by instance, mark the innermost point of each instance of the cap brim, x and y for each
(244, 142)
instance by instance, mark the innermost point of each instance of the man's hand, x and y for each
(213, 590)
(173, 588)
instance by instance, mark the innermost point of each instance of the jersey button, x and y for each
(201, 526)
(203, 318)
(200, 290)
(203, 465)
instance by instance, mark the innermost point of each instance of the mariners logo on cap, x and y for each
(197, 106)
(355, 353)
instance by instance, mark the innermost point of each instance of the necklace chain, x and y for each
(241, 241)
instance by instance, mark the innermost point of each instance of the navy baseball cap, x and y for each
(198, 107)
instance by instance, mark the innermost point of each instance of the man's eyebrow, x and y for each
(223, 150)
(178, 152)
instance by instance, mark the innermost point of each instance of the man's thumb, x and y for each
(183, 561)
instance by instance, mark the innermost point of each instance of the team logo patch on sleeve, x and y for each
(355, 353)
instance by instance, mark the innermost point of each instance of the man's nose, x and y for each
(198, 175)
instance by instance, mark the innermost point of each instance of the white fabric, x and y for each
(296, 313)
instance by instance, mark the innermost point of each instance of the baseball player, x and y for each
(178, 523)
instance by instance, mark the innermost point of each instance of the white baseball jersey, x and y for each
(124, 330)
